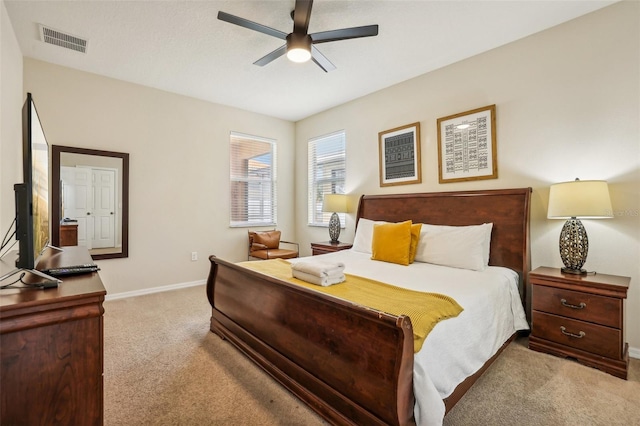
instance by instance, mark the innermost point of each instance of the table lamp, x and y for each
(587, 199)
(336, 203)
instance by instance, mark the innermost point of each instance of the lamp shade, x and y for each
(580, 199)
(336, 203)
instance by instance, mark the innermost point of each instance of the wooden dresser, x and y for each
(51, 346)
(328, 247)
(68, 234)
(581, 317)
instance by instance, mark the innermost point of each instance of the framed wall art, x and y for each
(467, 146)
(399, 153)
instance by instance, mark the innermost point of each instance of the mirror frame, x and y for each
(57, 150)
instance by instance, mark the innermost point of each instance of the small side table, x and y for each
(580, 317)
(329, 247)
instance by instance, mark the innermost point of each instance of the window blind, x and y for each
(326, 168)
(253, 181)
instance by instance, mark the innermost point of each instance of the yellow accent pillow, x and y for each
(391, 242)
(415, 237)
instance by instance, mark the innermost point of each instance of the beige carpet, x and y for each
(524, 387)
(162, 366)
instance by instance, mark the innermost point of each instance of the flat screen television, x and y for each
(32, 196)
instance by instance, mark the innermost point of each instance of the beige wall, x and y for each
(179, 168)
(11, 101)
(567, 106)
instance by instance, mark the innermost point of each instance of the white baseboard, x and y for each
(153, 290)
(634, 353)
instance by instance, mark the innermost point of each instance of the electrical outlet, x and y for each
(194, 256)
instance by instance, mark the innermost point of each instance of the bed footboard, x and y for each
(352, 365)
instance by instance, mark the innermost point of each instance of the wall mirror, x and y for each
(90, 200)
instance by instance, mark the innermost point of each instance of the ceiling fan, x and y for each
(299, 45)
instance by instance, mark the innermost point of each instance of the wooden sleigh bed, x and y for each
(354, 365)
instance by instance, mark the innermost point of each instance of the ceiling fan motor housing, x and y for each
(299, 47)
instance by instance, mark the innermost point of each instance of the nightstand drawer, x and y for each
(597, 339)
(574, 304)
(315, 251)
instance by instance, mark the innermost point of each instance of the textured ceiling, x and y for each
(181, 47)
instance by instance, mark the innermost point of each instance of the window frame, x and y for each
(267, 203)
(337, 182)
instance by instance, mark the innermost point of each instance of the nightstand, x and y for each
(580, 317)
(329, 247)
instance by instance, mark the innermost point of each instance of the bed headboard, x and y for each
(507, 209)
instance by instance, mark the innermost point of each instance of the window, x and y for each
(253, 181)
(326, 174)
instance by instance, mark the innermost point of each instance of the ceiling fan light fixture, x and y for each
(298, 47)
(298, 55)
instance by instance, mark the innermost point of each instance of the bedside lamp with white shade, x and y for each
(586, 199)
(336, 203)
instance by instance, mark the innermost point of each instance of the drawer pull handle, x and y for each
(582, 305)
(577, 336)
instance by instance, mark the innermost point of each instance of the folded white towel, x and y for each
(322, 281)
(319, 269)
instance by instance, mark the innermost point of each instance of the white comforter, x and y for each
(456, 348)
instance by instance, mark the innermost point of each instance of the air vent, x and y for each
(58, 38)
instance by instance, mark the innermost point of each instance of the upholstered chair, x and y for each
(266, 245)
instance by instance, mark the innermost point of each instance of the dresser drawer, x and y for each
(578, 305)
(597, 339)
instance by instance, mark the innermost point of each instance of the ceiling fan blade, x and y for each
(271, 56)
(232, 19)
(301, 16)
(344, 34)
(321, 60)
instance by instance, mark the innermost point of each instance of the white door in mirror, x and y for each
(89, 196)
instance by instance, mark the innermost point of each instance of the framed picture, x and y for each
(399, 153)
(467, 146)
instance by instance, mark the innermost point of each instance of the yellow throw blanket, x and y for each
(424, 309)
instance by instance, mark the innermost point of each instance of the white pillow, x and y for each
(364, 235)
(465, 247)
